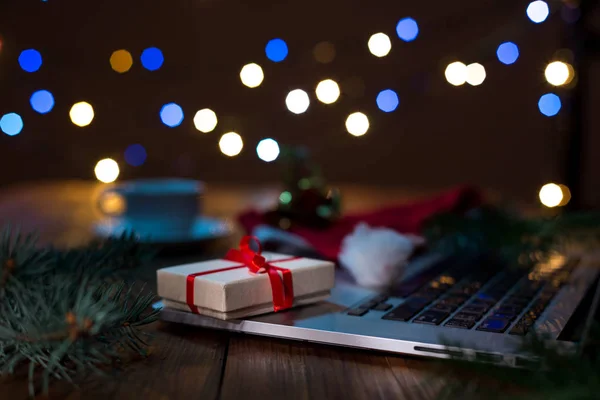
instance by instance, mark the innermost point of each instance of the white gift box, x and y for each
(238, 293)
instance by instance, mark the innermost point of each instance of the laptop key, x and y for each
(358, 312)
(467, 316)
(368, 304)
(474, 309)
(459, 323)
(404, 311)
(494, 325)
(499, 315)
(444, 307)
(431, 317)
(506, 309)
(454, 300)
(382, 307)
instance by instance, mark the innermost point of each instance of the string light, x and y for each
(475, 74)
(107, 170)
(276, 50)
(379, 44)
(558, 73)
(231, 144)
(11, 124)
(297, 101)
(171, 114)
(81, 114)
(30, 60)
(407, 29)
(328, 91)
(42, 101)
(507, 53)
(121, 61)
(205, 120)
(456, 73)
(357, 124)
(549, 104)
(387, 100)
(252, 75)
(135, 155)
(551, 195)
(267, 150)
(152, 58)
(538, 11)
(324, 52)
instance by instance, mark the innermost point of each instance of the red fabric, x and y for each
(406, 218)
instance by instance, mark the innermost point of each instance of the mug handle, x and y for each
(100, 200)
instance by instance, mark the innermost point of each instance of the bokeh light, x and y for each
(507, 53)
(558, 73)
(252, 75)
(387, 100)
(551, 195)
(538, 11)
(407, 29)
(297, 101)
(135, 155)
(81, 114)
(107, 170)
(379, 44)
(42, 101)
(30, 60)
(276, 50)
(324, 52)
(152, 58)
(475, 74)
(357, 124)
(205, 120)
(328, 91)
(267, 150)
(11, 124)
(231, 144)
(171, 115)
(549, 104)
(456, 73)
(121, 61)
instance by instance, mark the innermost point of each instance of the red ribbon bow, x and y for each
(281, 287)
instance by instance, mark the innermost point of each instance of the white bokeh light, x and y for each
(205, 120)
(267, 150)
(328, 91)
(107, 170)
(82, 114)
(297, 101)
(252, 75)
(538, 11)
(456, 73)
(475, 74)
(357, 124)
(380, 44)
(231, 144)
(558, 73)
(551, 195)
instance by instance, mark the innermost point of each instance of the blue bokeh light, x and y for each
(387, 100)
(507, 53)
(171, 115)
(276, 50)
(11, 124)
(30, 60)
(152, 58)
(549, 104)
(407, 29)
(42, 101)
(135, 155)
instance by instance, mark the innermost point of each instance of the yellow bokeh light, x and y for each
(297, 101)
(456, 73)
(475, 74)
(231, 144)
(357, 124)
(551, 195)
(379, 44)
(112, 204)
(121, 61)
(328, 91)
(252, 75)
(558, 73)
(82, 113)
(107, 170)
(205, 120)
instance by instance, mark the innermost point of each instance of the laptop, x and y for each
(475, 308)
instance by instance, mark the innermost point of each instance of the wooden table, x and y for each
(191, 363)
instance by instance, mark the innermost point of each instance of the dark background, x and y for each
(440, 135)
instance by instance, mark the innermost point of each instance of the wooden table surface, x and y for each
(193, 363)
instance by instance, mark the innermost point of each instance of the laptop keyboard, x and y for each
(489, 301)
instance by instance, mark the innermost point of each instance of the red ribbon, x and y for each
(281, 287)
